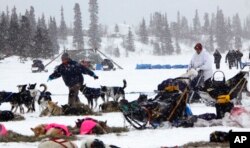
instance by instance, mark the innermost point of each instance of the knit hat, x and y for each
(65, 56)
(198, 46)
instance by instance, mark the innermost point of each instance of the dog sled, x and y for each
(107, 65)
(38, 66)
(168, 105)
(225, 91)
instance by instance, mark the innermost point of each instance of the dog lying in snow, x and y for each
(52, 109)
(52, 129)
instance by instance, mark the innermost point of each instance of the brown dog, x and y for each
(41, 131)
(54, 109)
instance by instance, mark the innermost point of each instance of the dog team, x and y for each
(27, 96)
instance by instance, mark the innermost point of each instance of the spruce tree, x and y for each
(157, 49)
(14, 36)
(117, 52)
(129, 44)
(221, 32)
(116, 29)
(63, 28)
(184, 28)
(167, 47)
(178, 26)
(26, 37)
(78, 42)
(32, 20)
(236, 25)
(196, 24)
(53, 35)
(238, 43)
(143, 33)
(3, 34)
(206, 25)
(42, 44)
(177, 46)
(93, 32)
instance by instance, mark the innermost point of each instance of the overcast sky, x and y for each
(129, 11)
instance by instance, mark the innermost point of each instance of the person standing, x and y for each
(238, 56)
(71, 72)
(201, 61)
(230, 57)
(217, 58)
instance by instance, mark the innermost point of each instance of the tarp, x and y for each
(158, 66)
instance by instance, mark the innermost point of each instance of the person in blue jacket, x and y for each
(71, 72)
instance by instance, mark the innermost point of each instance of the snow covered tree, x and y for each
(157, 49)
(53, 35)
(184, 28)
(177, 46)
(236, 25)
(178, 26)
(229, 33)
(143, 33)
(3, 34)
(213, 25)
(167, 47)
(246, 28)
(196, 24)
(117, 52)
(14, 36)
(63, 27)
(26, 38)
(42, 44)
(129, 44)
(32, 20)
(206, 25)
(93, 32)
(221, 32)
(238, 43)
(41, 23)
(78, 42)
(116, 29)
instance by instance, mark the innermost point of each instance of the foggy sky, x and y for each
(129, 11)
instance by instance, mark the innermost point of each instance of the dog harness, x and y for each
(3, 131)
(87, 127)
(56, 140)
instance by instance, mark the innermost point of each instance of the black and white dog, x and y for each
(92, 94)
(96, 143)
(114, 92)
(18, 99)
(42, 97)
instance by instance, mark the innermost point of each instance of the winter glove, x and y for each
(95, 77)
(49, 79)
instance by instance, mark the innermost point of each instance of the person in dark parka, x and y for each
(217, 58)
(238, 56)
(71, 72)
(230, 57)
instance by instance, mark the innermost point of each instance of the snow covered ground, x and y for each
(14, 73)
